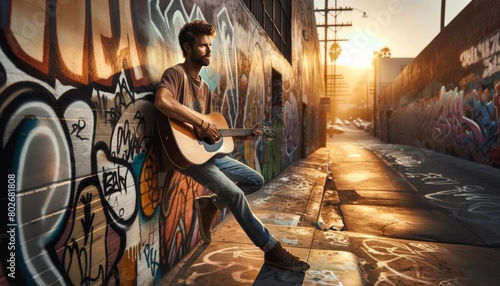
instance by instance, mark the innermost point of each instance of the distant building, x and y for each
(386, 70)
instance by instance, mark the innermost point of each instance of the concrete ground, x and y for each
(362, 212)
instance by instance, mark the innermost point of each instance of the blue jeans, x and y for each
(229, 179)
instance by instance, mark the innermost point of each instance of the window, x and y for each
(275, 17)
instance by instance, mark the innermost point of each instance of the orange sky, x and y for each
(404, 26)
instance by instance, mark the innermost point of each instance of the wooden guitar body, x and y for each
(183, 148)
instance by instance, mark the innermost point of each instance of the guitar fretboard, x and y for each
(236, 132)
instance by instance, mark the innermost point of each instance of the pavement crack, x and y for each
(388, 225)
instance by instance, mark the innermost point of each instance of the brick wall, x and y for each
(447, 99)
(83, 202)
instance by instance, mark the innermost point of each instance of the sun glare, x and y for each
(355, 60)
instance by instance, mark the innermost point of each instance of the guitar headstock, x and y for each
(268, 131)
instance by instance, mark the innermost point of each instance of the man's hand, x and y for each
(256, 133)
(211, 131)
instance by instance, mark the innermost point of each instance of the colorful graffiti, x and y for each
(486, 52)
(448, 98)
(77, 126)
(465, 125)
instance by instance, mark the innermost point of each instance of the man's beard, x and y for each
(202, 61)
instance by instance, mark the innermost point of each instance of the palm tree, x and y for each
(385, 52)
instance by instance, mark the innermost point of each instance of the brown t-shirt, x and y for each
(193, 93)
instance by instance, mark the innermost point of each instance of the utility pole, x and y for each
(443, 13)
(335, 49)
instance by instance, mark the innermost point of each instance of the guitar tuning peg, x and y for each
(269, 132)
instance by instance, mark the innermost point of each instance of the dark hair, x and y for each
(190, 31)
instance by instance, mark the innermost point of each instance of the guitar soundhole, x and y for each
(212, 147)
(207, 140)
(208, 144)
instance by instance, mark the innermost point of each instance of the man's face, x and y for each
(201, 52)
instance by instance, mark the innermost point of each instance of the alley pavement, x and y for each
(363, 212)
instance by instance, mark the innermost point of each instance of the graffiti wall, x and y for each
(82, 199)
(448, 98)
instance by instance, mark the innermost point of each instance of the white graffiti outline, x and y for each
(216, 265)
(388, 253)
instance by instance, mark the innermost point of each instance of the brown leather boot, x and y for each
(206, 211)
(279, 257)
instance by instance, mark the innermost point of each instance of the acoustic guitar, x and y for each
(182, 147)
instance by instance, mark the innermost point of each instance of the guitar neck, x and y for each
(232, 132)
(236, 132)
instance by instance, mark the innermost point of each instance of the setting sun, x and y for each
(358, 60)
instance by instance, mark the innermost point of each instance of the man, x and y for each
(182, 85)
